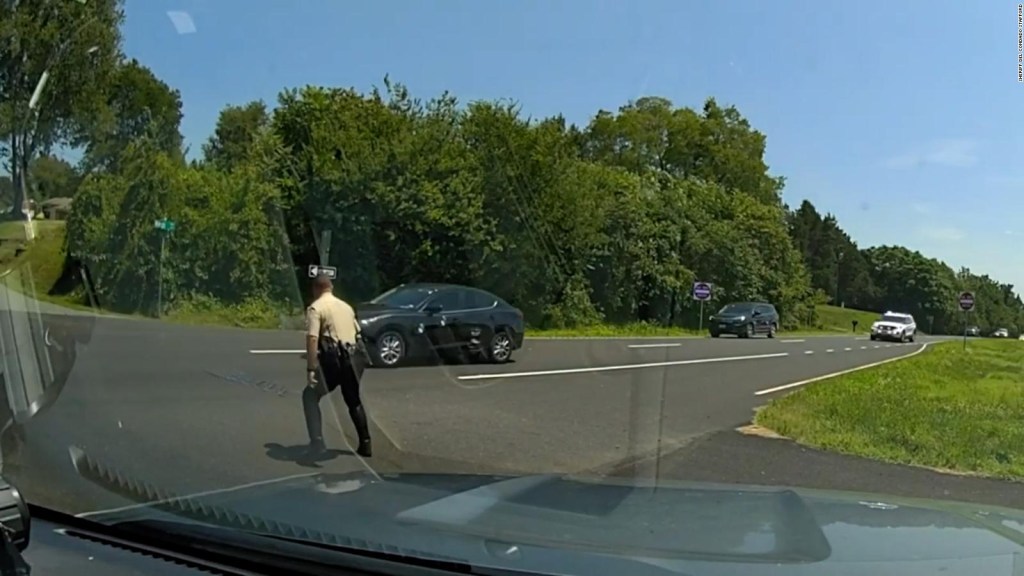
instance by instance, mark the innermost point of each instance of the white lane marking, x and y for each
(276, 351)
(840, 373)
(620, 367)
(830, 350)
(808, 351)
(196, 495)
(792, 341)
(877, 347)
(863, 347)
(847, 349)
(861, 338)
(620, 338)
(662, 345)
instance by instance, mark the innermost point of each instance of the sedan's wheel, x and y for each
(500, 349)
(750, 331)
(772, 329)
(390, 349)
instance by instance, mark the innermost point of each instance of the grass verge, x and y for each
(946, 408)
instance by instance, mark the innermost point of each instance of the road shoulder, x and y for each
(736, 458)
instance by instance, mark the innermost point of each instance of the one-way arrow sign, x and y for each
(329, 271)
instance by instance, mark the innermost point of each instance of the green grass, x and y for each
(836, 319)
(945, 408)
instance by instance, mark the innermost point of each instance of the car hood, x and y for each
(889, 325)
(732, 315)
(366, 310)
(558, 524)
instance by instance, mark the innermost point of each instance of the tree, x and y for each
(53, 177)
(135, 104)
(236, 131)
(67, 50)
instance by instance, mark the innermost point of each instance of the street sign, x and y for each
(966, 301)
(329, 271)
(164, 224)
(701, 291)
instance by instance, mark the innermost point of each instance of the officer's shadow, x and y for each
(300, 455)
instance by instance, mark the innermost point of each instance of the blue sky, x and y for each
(900, 118)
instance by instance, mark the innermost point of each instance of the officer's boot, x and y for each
(362, 431)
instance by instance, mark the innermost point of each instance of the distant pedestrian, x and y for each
(334, 359)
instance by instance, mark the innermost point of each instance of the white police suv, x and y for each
(894, 326)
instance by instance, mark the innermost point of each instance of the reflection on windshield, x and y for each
(735, 309)
(403, 297)
(896, 319)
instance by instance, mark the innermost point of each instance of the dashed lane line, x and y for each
(840, 373)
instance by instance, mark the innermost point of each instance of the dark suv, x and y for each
(745, 319)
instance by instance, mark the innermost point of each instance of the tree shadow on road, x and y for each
(300, 455)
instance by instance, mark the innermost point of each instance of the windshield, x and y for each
(737, 309)
(656, 239)
(896, 319)
(404, 297)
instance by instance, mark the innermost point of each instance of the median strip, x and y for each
(953, 409)
(619, 367)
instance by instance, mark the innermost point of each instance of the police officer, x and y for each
(333, 360)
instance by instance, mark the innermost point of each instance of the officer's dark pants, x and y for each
(346, 378)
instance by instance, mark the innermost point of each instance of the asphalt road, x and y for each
(188, 409)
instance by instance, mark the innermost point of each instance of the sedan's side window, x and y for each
(476, 299)
(448, 300)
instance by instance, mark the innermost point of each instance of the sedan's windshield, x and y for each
(737, 309)
(404, 297)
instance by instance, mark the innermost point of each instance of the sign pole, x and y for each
(160, 276)
(702, 292)
(966, 301)
(966, 316)
(325, 247)
(164, 227)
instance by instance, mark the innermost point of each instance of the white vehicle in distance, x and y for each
(894, 326)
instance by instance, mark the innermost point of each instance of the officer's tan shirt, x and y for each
(331, 316)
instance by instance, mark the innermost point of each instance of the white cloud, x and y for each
(942, 234)
(956, 153)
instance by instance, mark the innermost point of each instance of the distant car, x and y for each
(894, 326)
(745, 319)
(1001, 333)
(417, 320)
(973, 331)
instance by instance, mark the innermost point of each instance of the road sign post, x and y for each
(165, 226)
(325, 247)
(702, 292)
(966, 301)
